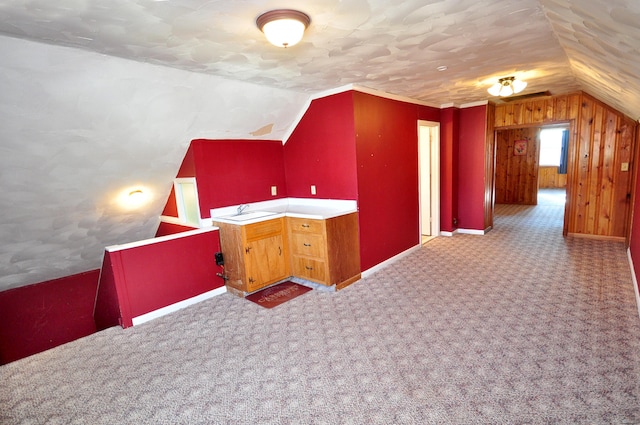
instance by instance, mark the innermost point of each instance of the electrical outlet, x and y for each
(274, 190)
(313, 189)
(625, 166)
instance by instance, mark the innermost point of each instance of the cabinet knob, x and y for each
(308, 268)
(251, 280)
(247, 249)
(305, 225)
(306, 244)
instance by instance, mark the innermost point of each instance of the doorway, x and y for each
(429, 179)
(552, 162)
(531, 166)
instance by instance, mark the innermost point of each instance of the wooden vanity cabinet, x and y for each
(325, 251)
(255, 255)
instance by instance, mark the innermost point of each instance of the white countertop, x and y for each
(319, 209)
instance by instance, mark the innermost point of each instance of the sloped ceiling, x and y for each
(99, 96)
(556, 45)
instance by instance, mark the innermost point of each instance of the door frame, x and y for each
(571, 161)
(434, 170)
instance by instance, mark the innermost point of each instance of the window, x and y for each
(187, 201)
(550, 146)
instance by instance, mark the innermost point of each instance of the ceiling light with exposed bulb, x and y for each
(283, 27)
(507, 86)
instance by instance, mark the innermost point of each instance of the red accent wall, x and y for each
(188, 166)
(145, 278)
(428, 113)
(171, 208)
(230, 172)
(165, 229)
(387, 165)
(106, 313)
(471, 173)
(321, 151)
(187, 169)
(38, 317)
(449, 124)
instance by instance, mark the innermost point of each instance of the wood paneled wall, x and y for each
(489, 167)
(600, 158)
(517, 174)
(549, 178)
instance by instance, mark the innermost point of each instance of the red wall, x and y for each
(321, 151)
(38, 317)
(350, 145)
(165, 229)
(471, 173)
(230, 172)
(387, 166)
(188, 166)
(171, 208)
(145, 278)
(449, 124)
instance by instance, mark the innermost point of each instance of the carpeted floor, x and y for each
(519, 326)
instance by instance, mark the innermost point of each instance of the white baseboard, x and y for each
(467, 232)
(634, 279)
(391, 260)
(177, 306)
(473, 231)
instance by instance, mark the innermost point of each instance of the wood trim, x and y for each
(598, 237)
(348, 282)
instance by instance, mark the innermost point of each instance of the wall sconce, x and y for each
(283, 27)
(507, 86)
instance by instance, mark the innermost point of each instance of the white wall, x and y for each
(77, 128)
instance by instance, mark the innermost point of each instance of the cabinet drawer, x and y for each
(309, 244)
(306, 225)
(263, 229)
(309, 269)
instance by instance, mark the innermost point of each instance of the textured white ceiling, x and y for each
(78, 123)
(556, 45)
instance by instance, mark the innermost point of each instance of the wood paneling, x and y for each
(600, 159)
(489, 167)
(549, 178)
(541, 110)
(517, 175)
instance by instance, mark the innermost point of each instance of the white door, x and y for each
(429, 175)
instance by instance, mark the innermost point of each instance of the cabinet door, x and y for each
(265, 262)
(309, 268)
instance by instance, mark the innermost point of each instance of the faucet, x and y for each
(242, 207)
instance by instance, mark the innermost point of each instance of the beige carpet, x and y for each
(519, 326)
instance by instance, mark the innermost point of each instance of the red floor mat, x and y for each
(278, 294)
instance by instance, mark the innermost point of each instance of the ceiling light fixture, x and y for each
(283, 27)
(507, 86)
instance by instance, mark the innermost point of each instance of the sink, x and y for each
(249, 215)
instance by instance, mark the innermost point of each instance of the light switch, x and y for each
(313, 189)
(274, 190)
(625, 166)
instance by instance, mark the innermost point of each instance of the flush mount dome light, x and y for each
(283, 27)
(507, 86)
